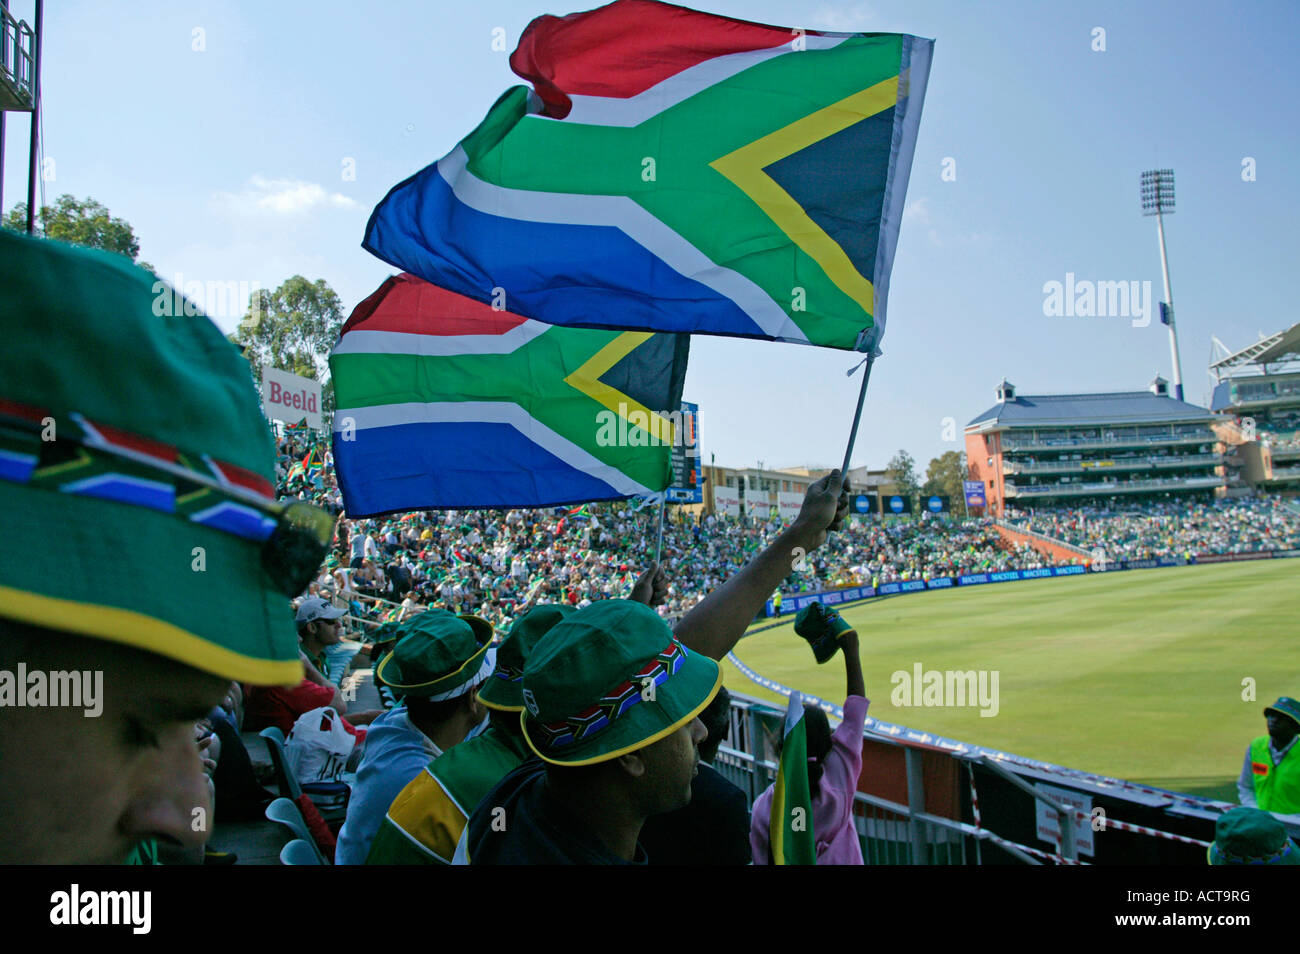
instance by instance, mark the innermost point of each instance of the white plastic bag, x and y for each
(318, 746)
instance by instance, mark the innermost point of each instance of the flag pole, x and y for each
(659, 537)
(857, 416)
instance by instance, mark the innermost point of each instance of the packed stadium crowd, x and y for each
(1181, 529)
(494, 563)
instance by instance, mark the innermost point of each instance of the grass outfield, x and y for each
(1136, 675)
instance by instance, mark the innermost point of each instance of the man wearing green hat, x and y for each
(437, 664)
(427, 817)
(1270, 775)
(136, 432)
(611, 704)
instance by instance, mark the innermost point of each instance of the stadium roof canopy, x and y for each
(1285, 345)
(1072, 410)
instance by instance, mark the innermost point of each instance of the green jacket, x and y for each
(1277, 787)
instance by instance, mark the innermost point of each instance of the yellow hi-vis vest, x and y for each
(1277, 787)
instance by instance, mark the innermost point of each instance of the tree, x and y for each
(81, 222)
(902, 471)
(945, 475)
(292, 328)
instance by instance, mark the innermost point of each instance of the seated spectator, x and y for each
(427, 817)
(438, 663)
(612, 703)
(319, 628)
(281, 706)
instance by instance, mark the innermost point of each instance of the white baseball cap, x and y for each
(314, 608)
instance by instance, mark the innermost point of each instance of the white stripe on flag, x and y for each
(489, 412)
(402, 342)
(634, 110)
(793, 712)
(620, 212)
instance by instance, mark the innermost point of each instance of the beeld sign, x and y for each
(289, 398)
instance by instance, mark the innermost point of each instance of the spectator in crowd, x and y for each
(438, 663)
(319, 628)
(120, 594)
(427, 817)
(612, 702)
(1270, 774)
(834, 764)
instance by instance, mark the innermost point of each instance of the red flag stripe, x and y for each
(628, 46)
(242, 478)
(411, 305)
(26, 411)
(133, 442)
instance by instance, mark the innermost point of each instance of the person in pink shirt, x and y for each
(834, 763)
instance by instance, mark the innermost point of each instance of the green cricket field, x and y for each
(1156, 676)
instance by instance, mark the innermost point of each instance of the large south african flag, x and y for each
(441, 401)
(677, 171)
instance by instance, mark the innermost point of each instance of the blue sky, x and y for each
(230, 160)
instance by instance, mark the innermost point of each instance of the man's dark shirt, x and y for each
(712, 830)
(538, 829)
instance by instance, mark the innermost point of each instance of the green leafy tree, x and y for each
(902, 471)
(292, 328)
(81, 222)
(945, 475)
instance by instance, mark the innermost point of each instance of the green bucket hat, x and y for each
(1249, 836)
(136, 470)
(439, 656)
(610, 679)
(1286, 706)
(504, 690)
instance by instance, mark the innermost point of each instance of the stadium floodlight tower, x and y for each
(1158, 199)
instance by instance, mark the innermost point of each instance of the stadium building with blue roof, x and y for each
(1094, 449)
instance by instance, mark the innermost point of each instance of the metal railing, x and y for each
(17, 58)
(895, 833)
(1110, 463)
(1114, 486)
(1199, 436)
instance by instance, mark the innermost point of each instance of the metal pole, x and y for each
(659, 537)
(915, 802)
(36, 118)
(1169, 298)
(857, 416)
(2, 161)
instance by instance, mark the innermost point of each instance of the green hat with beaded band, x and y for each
(611, 679)
(439, 656)
(504, 690)
(136, 470)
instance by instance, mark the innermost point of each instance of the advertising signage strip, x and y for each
(795, 603)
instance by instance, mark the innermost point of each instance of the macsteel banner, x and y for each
(796, 602)
(974, 490)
